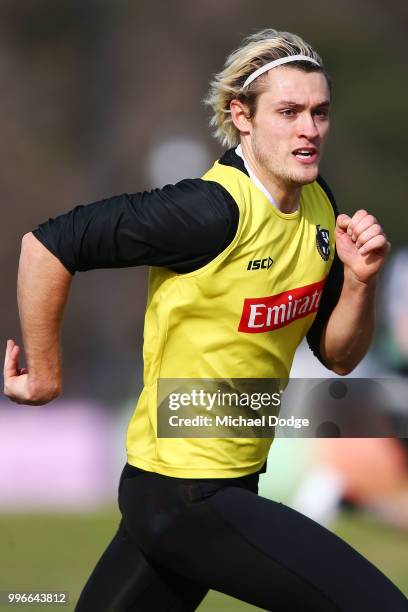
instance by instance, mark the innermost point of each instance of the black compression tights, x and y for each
(180, 537)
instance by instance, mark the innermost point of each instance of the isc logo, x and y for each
(256, 264)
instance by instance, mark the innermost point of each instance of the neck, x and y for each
(286, 196)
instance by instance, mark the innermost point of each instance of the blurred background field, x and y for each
(102, 97)
(57, 552)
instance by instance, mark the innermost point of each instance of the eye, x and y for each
(323, 113)
(288, 112)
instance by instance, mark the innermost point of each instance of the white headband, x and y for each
(279, 62)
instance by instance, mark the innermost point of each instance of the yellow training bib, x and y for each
(241, 316)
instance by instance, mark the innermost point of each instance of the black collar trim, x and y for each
(230, 158)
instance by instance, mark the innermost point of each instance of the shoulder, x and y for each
(202, 201)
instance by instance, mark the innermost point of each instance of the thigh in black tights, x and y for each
(180, 537)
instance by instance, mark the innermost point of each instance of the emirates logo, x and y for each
(275, 311)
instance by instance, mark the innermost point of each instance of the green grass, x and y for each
(57, 552)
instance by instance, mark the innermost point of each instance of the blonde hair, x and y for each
(255, 51)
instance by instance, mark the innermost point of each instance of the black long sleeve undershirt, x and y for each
(182, 227)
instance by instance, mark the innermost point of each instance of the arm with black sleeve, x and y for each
(181, 226)
(346, 335)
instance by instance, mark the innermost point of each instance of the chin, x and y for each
(305, 176)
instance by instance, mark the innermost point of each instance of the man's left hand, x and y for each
(361, 244)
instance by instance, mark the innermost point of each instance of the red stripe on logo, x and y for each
(275, 311)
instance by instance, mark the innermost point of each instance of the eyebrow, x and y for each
(297, 105)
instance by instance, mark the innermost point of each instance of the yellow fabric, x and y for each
(192, 320)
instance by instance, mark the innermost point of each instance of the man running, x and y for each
(243, 267)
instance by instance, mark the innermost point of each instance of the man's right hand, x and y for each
(20, 387)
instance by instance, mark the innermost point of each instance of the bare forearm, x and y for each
(350, 329)
(43, 285)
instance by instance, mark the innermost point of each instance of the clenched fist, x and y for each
(21, 387)
(361, 244)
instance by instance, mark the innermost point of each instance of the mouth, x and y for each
(306, 155)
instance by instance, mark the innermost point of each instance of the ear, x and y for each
(240, 116)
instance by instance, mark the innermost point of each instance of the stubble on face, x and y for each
(268, 158)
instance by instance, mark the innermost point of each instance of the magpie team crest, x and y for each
(323, 242)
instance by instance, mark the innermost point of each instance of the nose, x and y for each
(307, 126)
